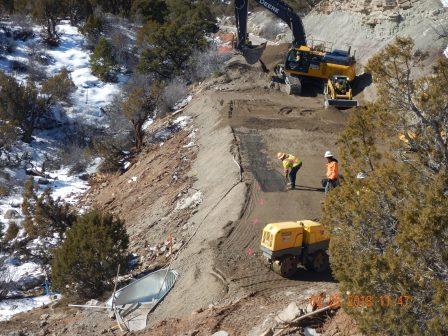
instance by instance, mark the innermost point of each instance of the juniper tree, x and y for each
(44, 216)
(48, 12)
(102, 60)
(21, 105)
(84, 264)
(150, 10)
(11, 233)
(390, 230)
(138, 106)
(167, 47)
(92, 28)
(60, 86)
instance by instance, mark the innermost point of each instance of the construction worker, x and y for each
(332, 180)
(291, 165)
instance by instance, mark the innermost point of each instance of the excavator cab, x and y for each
(298, 60)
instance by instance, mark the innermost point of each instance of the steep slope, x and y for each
(368, 26)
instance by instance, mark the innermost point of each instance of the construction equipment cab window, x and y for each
(298, 61)
(301, 61)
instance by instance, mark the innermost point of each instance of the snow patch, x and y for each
(9, 308)
(132, 179)
(181, 104)
(147, 123)
(183, 121)
(190, 202)
(22, 275)
(189, 145)
(67, 187)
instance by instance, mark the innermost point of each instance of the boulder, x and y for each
(289, 313)
(11, 214)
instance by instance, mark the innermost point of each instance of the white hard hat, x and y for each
(328, 154)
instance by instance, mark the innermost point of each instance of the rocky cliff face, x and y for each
(369, 25)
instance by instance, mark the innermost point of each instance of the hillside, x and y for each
(207, 180)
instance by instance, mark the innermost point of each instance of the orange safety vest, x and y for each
(332, 170)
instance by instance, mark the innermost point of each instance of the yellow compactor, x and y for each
(288, 244)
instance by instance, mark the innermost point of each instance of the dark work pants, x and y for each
(329, 184)
(293, 174)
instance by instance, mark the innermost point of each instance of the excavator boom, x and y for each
(279, 8)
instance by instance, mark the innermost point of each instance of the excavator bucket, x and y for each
(252, 54)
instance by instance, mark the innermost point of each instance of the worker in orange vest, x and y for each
(332, 180)
(291, 165)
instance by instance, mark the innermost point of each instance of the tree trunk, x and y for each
(138, 133)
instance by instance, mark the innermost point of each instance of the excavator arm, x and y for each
(278, 8)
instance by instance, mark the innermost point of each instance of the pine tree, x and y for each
(102, 61)
(87, 260)
(390, 230)
(167, 47)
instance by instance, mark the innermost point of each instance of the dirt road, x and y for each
(266, 122)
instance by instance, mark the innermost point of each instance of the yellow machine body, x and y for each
(307, 62)
(287, 244)
(287, 235)
(336, 98)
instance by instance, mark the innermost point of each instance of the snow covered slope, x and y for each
(85, 108)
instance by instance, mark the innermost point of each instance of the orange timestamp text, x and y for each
(368, 301)
(360, 301)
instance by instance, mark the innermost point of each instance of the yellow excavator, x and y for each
(303, 62)
(286, 245)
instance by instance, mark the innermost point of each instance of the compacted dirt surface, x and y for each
(237, 124)
(264, 121)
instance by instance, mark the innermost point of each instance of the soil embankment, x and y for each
(239, 124)
(229, 268)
